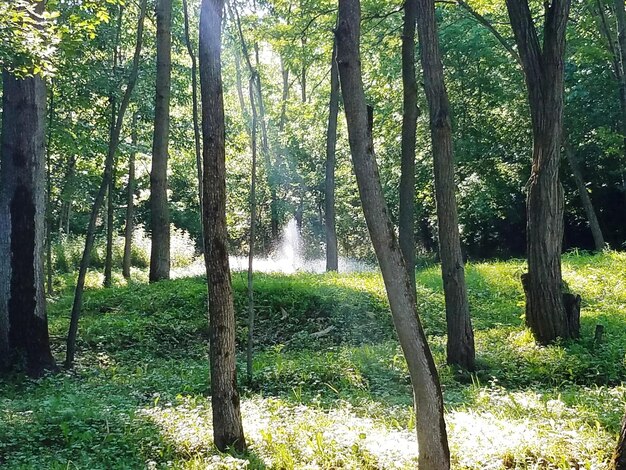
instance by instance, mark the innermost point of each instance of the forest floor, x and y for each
(138, 395)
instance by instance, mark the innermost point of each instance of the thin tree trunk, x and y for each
(159, 209)
(303, 72)
(332, 257)
(409, 127)
(431, 430)
(23, 321)
(130, 202)
(194, 104)
(227, 423)
(106, 176)
(253, 145)
(594, 225)
(543, 70)
(460, 347)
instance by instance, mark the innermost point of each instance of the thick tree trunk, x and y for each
(227, 424)
(618, 462)
(409, 127)
(594, 225)
(332, 257)
(460, 348)
(194, 104)
(253, 145)
(48, 204)
(431, 430)
(106, 176)
(543, 70)
(23, 321)
(130, 202)
(159, 209)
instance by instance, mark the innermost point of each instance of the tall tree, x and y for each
(332, 258)
(431, 430)
(23, 321)
(159, 209)
(460, 347)
(409, 127)
(543, 71)
(227, 424)
(97, 204)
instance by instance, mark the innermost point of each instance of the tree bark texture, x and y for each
(543, 71)
(460, 347)
(431, 430)
(23, 320)
(585, 199)
(159, 209)
(332, 257)
(618, 462)
(130, 202)
(227, 423)
(106, 176)
(409, 127)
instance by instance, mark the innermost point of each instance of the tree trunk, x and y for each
(618, 462)
(159, 209)
(194, 104)
(48, 204)
(431, 430)
(332, 257)
(409, 127)
(543, 70)
(130, 202)
(594, 225)
(253, 145)
(106, 176)
(227, 424)
(460, 348)
(23, 321)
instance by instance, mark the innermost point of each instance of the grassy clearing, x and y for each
(138, 396)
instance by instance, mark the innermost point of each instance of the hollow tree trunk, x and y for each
(227, 424)
(460, 347)
(106, 176)
(431, 431)
(543, 70)
(130, 202)
(409, 127)
(159, 209)
(594, 225)
(332, 258)
(23, 321)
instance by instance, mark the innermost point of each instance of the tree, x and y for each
(106, 177)
(460, 347)
(431, 430)
(618, 462)
(332, 261)
(159, 209)
(409, 128)
(23, 321)
(227, 424)
(130, 201)
(543, 70)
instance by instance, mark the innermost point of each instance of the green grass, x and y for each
(138, 395)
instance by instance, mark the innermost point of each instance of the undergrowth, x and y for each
(138, 397)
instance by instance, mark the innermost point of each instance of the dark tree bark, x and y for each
(130, 202)
(332, 257)
(543, 70)
(253, 145)
(194, 104)
(594, 225)
(159, 209)
(409, 127)
(618, 462)
(23, 321)
(106, 176)
(227, 424)
(431, 430)
(460, 347)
